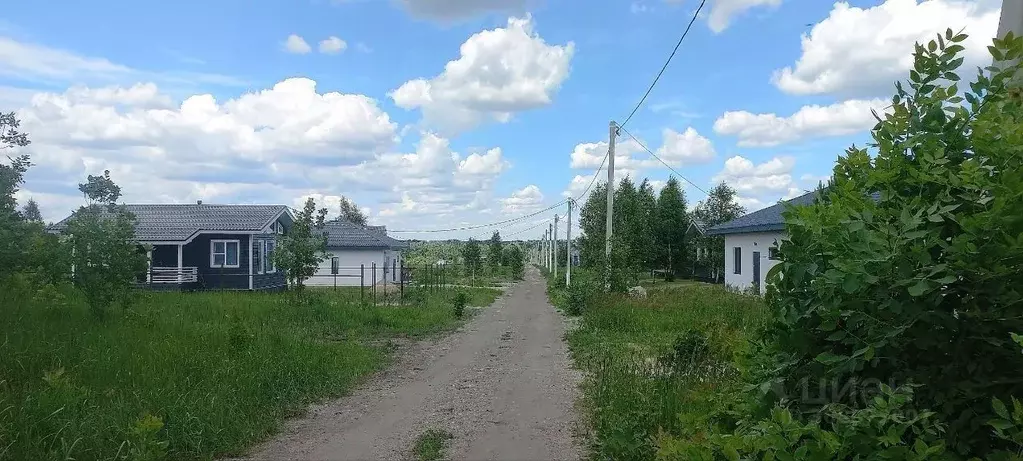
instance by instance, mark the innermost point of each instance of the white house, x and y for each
(751, 243)
(358, 255)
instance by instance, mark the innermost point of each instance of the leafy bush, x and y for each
(888, 428)
(906, 270)
(575, 302)
(460, 300)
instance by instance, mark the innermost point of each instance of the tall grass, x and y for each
(191, 375)
(651, 361)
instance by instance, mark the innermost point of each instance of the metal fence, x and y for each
(394, 284)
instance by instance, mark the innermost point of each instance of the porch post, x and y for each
(180, 261)
(149, 265)
(250, 260)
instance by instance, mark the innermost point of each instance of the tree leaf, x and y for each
(919, 288)
(830, 358)
(999, 407)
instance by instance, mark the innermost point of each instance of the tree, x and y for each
(351, 212)
(592, 226)
(646, 241)
(472, 257)
(717, 208)
(30, 212)
(906, 271)
(513, 258)
(303, 248)
(105, 256)
(494, 251)
(672, 220)
(12, 232)
(630, 223)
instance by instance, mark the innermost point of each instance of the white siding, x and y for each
(349, 261)
(748, 243)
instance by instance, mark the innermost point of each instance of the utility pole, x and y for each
(554, 259)
(568, 246)
(543, 249)
(550, 248)
(613, 131)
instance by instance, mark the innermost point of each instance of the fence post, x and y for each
(374, 278)
(401, 284)
(386, 297)
(362, 283)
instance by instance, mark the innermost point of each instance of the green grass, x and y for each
(430, 445)
(197, 375)
(638, 382)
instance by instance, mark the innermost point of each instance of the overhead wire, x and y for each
(481, 226)
(634, 138)
(606, 155)
(665, 66)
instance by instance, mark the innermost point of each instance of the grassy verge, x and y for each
(189, 375)
(650, 363)
(431, 444)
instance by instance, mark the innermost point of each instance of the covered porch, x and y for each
(167, 267)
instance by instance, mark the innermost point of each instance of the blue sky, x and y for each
(442, 113)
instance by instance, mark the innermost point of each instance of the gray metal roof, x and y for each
(176, 223)
(343, 234)
(767, 220)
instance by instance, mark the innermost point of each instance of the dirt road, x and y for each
(502, 386)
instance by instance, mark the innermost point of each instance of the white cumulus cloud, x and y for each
(863, 51)
(500, 72)
(760, 183)
(295, 44)
(770, 129)
(523, 201)
(333, 45)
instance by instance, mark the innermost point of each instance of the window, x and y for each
(257, 256)
(737, 263)
(335, 265)
(772, 253)
(268, 253)
(224, 253)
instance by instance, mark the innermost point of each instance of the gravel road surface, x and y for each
(502, 385)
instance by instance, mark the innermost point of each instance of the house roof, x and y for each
(344, 234)
(765, 220)
(698, 225)
(179, 223)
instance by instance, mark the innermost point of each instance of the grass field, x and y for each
(189, 375)
(649, 361)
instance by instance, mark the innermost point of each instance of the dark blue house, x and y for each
(197, 247)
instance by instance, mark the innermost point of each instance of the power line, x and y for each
(480, 226)
(498, 223)
(545, 221)
(595, 175)
(665, 66)
(663, 162)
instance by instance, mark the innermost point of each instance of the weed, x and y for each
(430, 445)
(460, 300)
(652, 364)
(209, 373)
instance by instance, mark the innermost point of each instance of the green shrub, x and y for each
(889, 428)
(460, 300)
(899, 274)
(575, 302)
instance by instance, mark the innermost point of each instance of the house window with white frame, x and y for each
(268, 253)
(224, 253)
(257, 256)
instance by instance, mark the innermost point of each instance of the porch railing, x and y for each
(173, 275)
